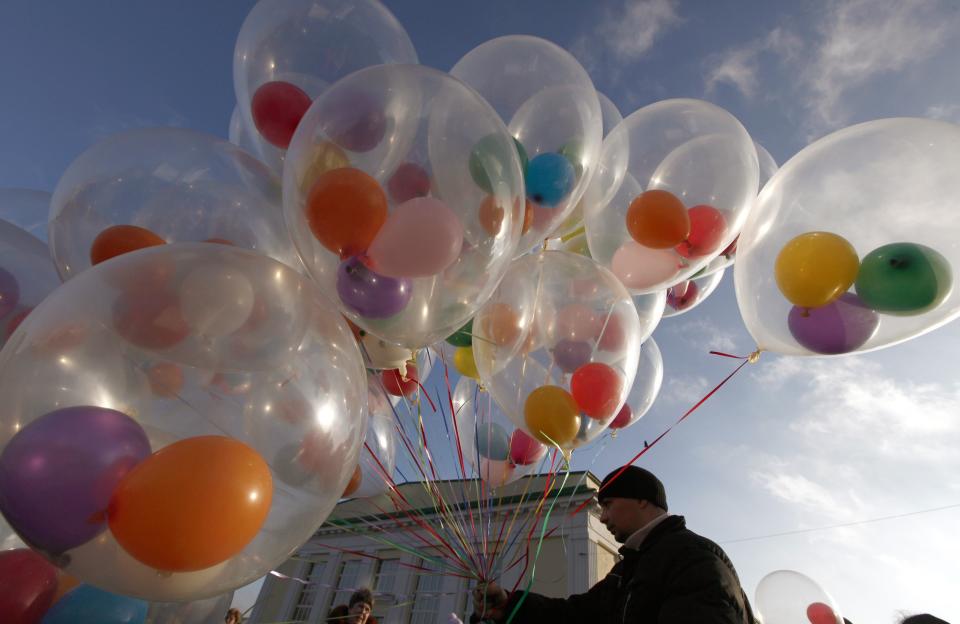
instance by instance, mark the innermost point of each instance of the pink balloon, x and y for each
(640, 267)
(420, 238)
(524, 450)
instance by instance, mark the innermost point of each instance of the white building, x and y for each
(338, 560)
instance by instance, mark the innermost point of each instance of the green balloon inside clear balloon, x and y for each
(904, 279)
(573, 151)
(490, 157)
(493, 442)
(463, 337)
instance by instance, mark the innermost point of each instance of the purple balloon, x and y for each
(58, 473)
(370, 294)
(9, 292)
(842, 326)
(353, 119)
(572, 354)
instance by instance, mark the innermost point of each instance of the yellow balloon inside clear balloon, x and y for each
(552, 415)
(815, 268)
(325, 156)
(464, 363)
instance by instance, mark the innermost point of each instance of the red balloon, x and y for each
(707, 229)
(596, 388)
(819, 613)
(28, 584)
(683, 295)
(623, 417)
(612, 336)
(525, 450)
(407, 182)
(399, 385)
(15, 321)
(150, 320)
(277, 109)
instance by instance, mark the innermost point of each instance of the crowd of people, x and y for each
(667, 574)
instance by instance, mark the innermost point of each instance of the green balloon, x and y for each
(489, 156)
(463, 337)
(573, 151)
(904, 279)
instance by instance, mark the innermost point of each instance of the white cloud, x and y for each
(946, 112)
(684, 389)
(739, 66)
(860, 39)
(626, 33)
(702, 333)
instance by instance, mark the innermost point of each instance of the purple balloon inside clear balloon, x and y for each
(58, 473)
(370, 294)
(842, 326)
(355, 120)
(9, 292)
(572, 354)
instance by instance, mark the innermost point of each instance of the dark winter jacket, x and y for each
(675, 577)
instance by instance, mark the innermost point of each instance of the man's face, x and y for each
(621, 516)
(359, 613)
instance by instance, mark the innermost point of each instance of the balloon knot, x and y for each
(754, 357)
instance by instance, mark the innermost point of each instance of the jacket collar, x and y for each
(664, 524)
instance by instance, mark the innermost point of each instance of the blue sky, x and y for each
(791, 443)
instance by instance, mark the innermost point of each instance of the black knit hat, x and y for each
(635, 482)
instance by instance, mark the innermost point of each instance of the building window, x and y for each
(426, 592)
(354, 574)
(386, 589)
(308, 593)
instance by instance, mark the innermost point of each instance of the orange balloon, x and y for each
(219, 241)
(166, 379)
(354, 484)
(491, 216)
(120, 239)
(501, 324)
(193, 504)
(658, 219)
(345, 210)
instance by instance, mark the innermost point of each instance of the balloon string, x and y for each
(571, 235)
(750, 359)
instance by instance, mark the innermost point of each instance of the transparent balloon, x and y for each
(207, 611)
(572, 227)
(401, 236)
(788, 597)
(677, 180)
(646, 387)
(240, 135)
(378, 460)
(147, 187)
(498, 452)
(8, 538)
(768, 167)
(27, 277)
(234, 446)
(288, 52)
(687, 295)
(832, 262)
(27, 209)
(548, 101)
(557, 347)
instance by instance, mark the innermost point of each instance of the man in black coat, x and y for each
(668, 573)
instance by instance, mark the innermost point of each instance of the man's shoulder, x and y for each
(677, 537)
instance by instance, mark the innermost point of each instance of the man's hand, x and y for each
(489, 603)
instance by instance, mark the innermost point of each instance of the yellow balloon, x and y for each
(464, 363)
(552, 415)
(815, 268)
(326, 157)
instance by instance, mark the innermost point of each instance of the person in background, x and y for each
(358, 611)
(233, 616)
(668, 573)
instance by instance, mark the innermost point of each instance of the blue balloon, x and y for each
(89, 604)
(550, 177)
(493, 442)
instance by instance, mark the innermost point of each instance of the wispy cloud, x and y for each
(684, 389)
(946, 112)
(624, 34)
(852, 43)
(700, 332)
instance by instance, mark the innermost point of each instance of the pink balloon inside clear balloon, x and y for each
(421, 238)
(640, 267)
(683, 295)
(524, 450)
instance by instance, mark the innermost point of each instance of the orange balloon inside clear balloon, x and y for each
(501, 324)
(345, 209)
(354, 483)
(658, 219)
(193, 504)
(120, 239)
(552, 415)
(166, 379)
(491, 216)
